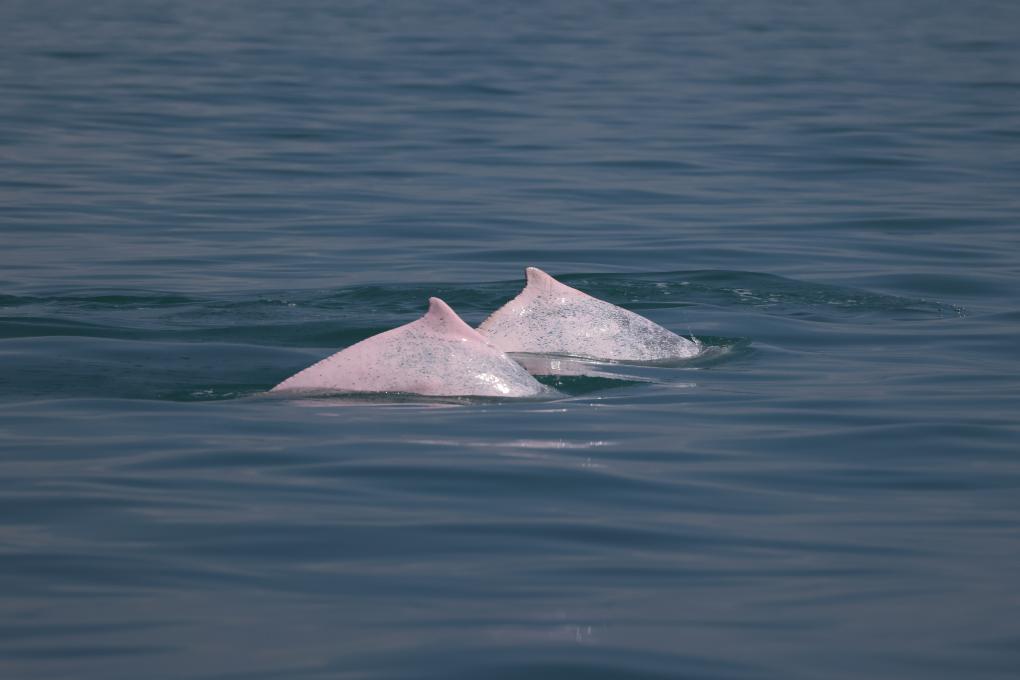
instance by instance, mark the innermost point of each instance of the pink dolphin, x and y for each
(548, 317)
(437, 355)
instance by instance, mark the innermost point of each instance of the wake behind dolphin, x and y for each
(440, 355)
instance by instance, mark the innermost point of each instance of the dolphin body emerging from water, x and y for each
(549, 317)
(437, 355)
(440, 355)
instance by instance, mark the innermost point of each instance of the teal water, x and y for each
(199, 199)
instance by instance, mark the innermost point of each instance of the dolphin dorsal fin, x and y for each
(442, 320)
(540, 283)
(539, 280)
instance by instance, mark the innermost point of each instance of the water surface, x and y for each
(199, 199)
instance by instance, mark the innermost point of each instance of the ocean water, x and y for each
(198, 199)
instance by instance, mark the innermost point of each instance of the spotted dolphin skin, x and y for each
(548, 317)
(437, 355)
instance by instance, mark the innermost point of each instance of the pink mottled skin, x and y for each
(549, 317)
(437, 355)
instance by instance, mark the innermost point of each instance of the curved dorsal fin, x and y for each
(538, 283)
(442, 320)
(538, 278)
